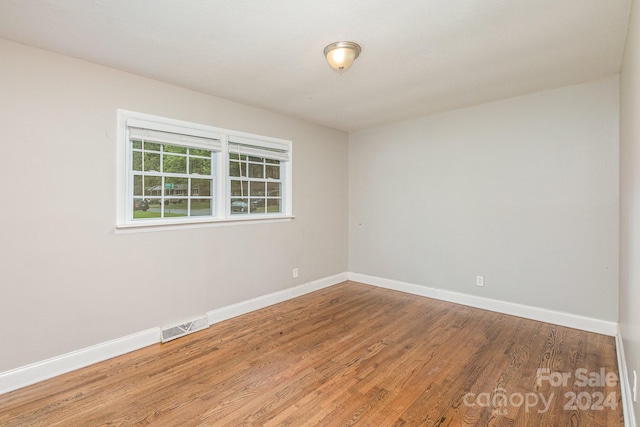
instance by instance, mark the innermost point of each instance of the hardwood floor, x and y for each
(351, 354)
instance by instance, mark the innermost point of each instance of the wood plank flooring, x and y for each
(350, 354)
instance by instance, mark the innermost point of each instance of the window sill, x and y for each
(190, 224)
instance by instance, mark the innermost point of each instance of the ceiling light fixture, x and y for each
(340, 55)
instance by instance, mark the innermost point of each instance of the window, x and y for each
(173, 176)
(173, 172)
(256, 175)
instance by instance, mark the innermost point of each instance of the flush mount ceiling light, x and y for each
(340, 55)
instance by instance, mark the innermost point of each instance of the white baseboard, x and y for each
(40, 371)
(43, 370)
(535, 313)
(238, 309)
(625, 386)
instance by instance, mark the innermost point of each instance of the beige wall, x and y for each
(523, 191)
(68, 281)
(630, 198)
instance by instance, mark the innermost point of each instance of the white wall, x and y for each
(523, 191)
(630, 198)
(67, 281)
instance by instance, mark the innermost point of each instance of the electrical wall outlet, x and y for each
(479, 280)
(295, 273)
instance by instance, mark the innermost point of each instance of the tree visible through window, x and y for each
(256, 185)
(170, 180)
(179, 172)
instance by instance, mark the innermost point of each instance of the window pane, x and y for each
(200, 207)
(274, 205)
(257, 205)
(143, 210)
(257, 189)
(273, 189)
(175, 187)
(152, 162)
(196, 152)
(239, 206)
(154, 204)
(174, 164)
(277, 162)
(256, 171)
(237, 169)
(152, 186)
(174, 207)
(256, 159)
(137, 161)
(273, 172)
(201, 187)
(199, 166)
(175, 149)
(239, 188)
(137, 186)
(137, 145)
(234, 169)
(151, 146)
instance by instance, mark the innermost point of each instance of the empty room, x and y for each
(301, 213)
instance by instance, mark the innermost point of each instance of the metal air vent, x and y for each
(178, 331)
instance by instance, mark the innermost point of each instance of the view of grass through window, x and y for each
(256, 185)
(186, 173)
(171, 180)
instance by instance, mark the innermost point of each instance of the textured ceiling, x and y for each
(419, 56)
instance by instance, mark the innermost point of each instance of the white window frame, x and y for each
(221, 198)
